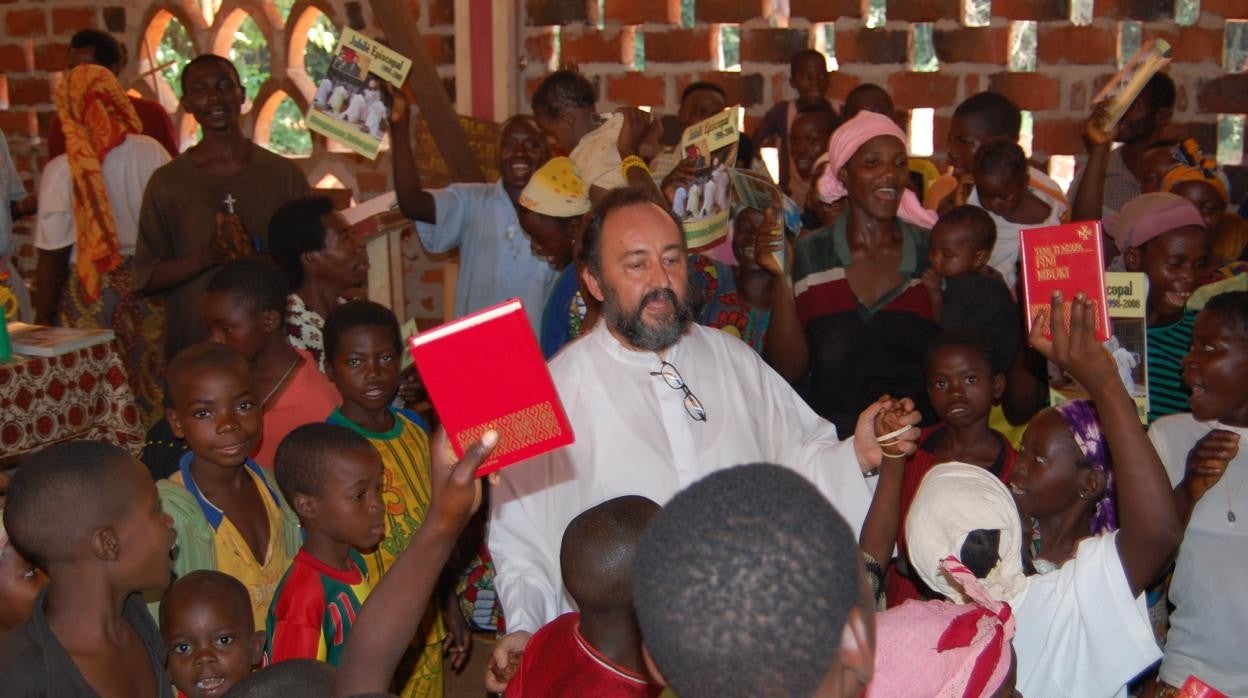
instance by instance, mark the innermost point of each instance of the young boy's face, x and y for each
(211, 642)
(349, 508)
(1206, 199)
(1001, 194)
(961, 385)
(233, 321)
(1174, 262)
(952, 250)
(1216, 369)
(966, 134)
(365, 367)
(217, 413)
(1154, 164)
(809, 76)
(145, 534)
(20, 582)
(807, 141)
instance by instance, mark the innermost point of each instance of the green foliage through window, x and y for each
(1023, 47)
(922, 51)
(174, 52)
(729, 46)
(250, 55)
(287, 133)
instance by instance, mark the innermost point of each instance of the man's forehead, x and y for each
(642, 222)
(520, 127)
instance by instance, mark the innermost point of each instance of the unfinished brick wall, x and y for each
(1071, 63)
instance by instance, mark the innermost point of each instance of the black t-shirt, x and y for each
(34, 663)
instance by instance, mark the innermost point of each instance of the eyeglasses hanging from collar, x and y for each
(693, 406)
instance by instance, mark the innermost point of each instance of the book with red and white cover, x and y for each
(1067, 258)
(485, 371)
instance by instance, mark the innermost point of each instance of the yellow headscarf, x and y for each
(556, 190)
(96, 115)
(1194, 167)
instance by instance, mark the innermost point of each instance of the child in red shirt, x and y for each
(596, 652)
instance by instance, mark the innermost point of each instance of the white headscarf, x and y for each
(953, 500)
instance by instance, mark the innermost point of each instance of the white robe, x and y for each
(633, 436)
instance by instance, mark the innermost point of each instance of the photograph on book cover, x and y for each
(704, 205)
(352, 105)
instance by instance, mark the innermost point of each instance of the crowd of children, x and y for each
(294, 524)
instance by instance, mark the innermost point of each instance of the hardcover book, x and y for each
(486, 371)
(1066, 258)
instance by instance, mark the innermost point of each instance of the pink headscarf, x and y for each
(940, 648)
(1151, 215)
(845, 141)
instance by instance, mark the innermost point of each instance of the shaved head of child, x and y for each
(597, 553)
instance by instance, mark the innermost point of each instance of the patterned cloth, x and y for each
(723, 307)
(79, 395)
(314, 608)
(139, 324)
(96, 115)
(305, 328)
(1121, 185)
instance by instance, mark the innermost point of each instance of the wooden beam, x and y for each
(436, 108)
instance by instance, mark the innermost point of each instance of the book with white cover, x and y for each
(41, 340)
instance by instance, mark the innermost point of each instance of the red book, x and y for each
(1066, 258)
(485, 371)
(1195, 688)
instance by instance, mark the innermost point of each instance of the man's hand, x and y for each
(1094, 132)
(636, 128)
(402, 105)
(411, 387)
(1207, 461)
(680, 176)
(455, 488)
(1076, 351)
(505, 660)
(890, 414)
(769, 244)
(229, 240)
(458, 643)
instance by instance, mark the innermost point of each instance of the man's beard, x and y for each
(632, 326)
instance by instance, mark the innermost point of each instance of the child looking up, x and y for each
(362, 350)
(964, 291)
(332, 478)
(1164, 236)
(1002, 188)
(227, 510)
(962, 385)
(1083, 626)
(808, 75)
(1207, 462)
(205, 620)
(20, 583)
(244, 310)
(597, 651)
(88, 514)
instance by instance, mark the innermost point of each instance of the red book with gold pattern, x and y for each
(1066, 258)
(485, 371)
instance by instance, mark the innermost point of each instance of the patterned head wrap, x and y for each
(846, 140)
(1085, 426)
(1194, 167)
(940, 648)
(556, 190)
(96, 115)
